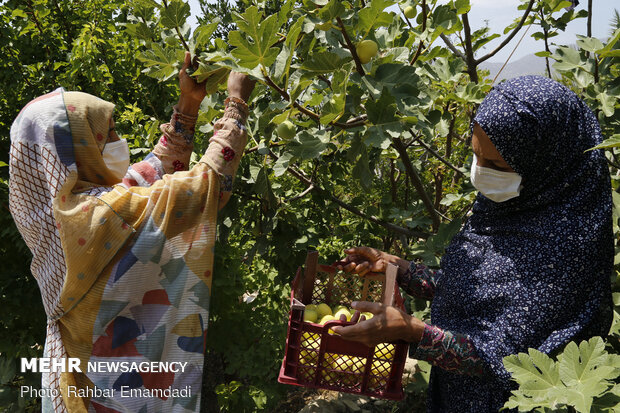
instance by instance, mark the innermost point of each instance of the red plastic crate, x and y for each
(315, 358)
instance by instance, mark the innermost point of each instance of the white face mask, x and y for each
(116, 157)
(498, 186)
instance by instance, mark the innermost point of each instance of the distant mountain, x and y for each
(527, 65)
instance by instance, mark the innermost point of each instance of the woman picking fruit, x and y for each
(123, 254)
(531, 266)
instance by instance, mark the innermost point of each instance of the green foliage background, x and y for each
(380, 156)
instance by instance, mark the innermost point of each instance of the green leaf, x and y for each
(381, 136)
(567, 59)
(611, 53)
(361, 171)
(262, 186)
(262, 34)
(19, 13)
(610, 44)
(608, 103)
(590, 44)
(3, 164)
(543, 54)
(382, 110)
(216, 78)
(283, 61)
(285, 9)
(175, 14)
(561, 5)
(333, 109)
(161, 63)
(308, 145)
(332, 10)
(202, 34)
(524, 370)
(612, 142)
(586, 368)
(445, 18)
(324, 62)
(139, 30)
(462, 6)
(373, 16)
(281, 165)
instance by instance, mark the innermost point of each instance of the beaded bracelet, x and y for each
(239, 104)
(235, 99)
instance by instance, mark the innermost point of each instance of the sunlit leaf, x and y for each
(175, 14)
(373, 15)
(255, 38)
(161, 63)
(202, 34)
(612, 142)
(307, 145)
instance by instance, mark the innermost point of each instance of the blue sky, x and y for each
(500, 13)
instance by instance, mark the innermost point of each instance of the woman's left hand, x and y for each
(192, 92)
(387, 324)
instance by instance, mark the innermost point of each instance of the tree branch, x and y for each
(328, 194)
(510, 36)
(435, 153)
(359, 121)
(301, 195)
(452, 48)
(351, 47)
(416, 181)
(176, 28)
(472, 66)
(255, 148)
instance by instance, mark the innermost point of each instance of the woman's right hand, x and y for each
(240, 85)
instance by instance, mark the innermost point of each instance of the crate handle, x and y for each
(390, 284)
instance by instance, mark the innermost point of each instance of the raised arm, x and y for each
(173, 151)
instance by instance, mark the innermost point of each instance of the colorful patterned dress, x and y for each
(124, 269)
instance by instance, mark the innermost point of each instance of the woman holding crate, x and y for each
(530, 268)
(122, 253)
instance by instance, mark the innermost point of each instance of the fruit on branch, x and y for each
(366, 50)
(410, 12)
(286, 130)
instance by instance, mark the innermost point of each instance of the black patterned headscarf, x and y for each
(534, 271)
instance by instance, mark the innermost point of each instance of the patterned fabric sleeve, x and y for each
(418, 281)
(226, 146)
(449, 351)
(172, 153)
(174, 149)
